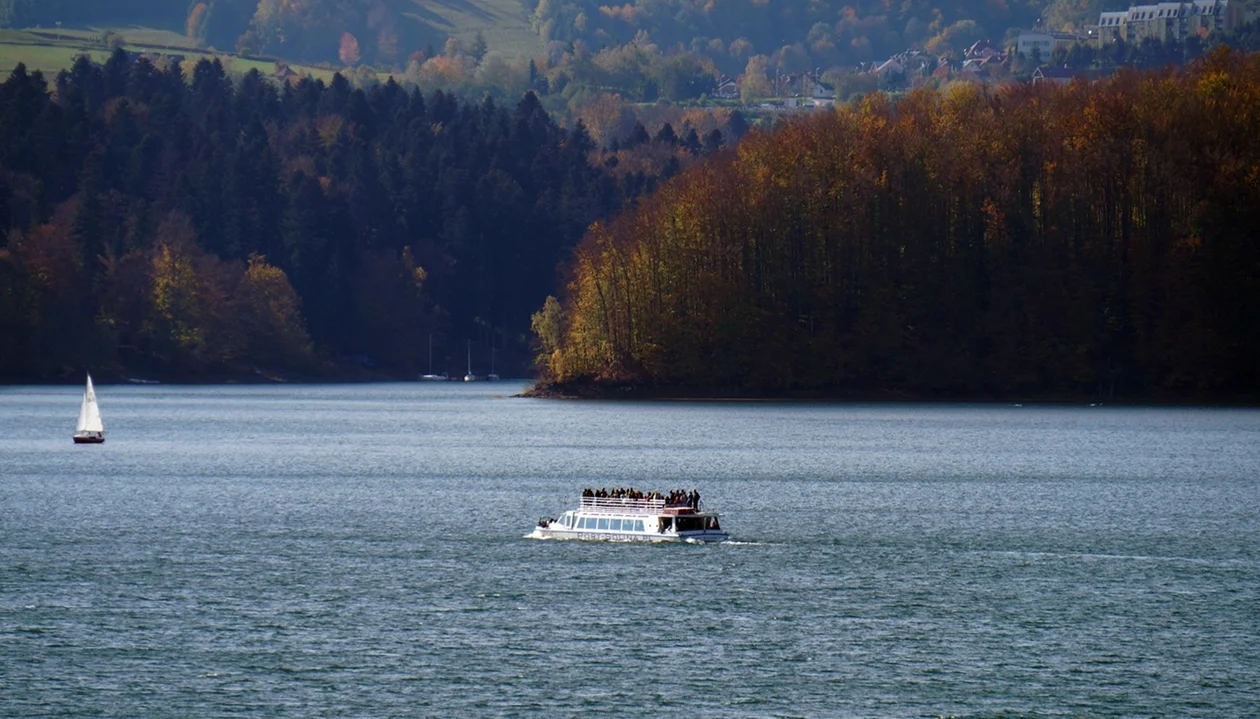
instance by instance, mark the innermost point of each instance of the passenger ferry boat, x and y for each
(632, 520)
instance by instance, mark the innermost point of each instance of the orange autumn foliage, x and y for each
(1085, 240)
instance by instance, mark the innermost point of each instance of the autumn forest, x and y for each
(1093, 240)
(1040, 241)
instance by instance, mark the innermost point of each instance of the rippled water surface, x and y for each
(358, 551)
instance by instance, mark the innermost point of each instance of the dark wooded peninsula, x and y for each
(1078, 242)
(182, 226)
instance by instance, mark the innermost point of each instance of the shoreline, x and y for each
(635, 392)
(209, 378)
(632, 392)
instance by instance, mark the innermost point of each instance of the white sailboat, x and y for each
(470, 377)
(492, 377)
(430, 377)
(89, 429)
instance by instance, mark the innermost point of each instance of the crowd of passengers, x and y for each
(674, 498)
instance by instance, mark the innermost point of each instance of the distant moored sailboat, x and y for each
(430, 377)
(493, 376)
(470, 377)
(89, 429)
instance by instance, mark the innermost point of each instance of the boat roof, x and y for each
(625, 505)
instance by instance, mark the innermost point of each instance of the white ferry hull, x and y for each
(626, 519)
(707, 536)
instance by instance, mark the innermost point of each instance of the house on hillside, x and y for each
(973, 71)
(1053, 75)
(981, 49)
(975, 67)
(727, 89)
(891, 66)
(285, 73)
(1043, 44)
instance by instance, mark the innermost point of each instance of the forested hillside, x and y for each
(797, 35)
(572, 53)
(1093, 240)
(187, 226)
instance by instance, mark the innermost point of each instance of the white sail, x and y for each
(89, 413)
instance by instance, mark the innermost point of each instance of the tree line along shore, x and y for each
(1088, 241)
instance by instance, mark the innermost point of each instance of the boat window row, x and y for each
(690, 524)
(610, 524)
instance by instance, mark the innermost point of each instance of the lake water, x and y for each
(358, 551)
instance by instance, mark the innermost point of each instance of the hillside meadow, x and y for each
(50, 51)
(503, 24)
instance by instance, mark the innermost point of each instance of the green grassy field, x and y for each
(503, 23)
(51, 51)
(38, 53)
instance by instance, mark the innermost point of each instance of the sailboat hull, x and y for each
(89, 439)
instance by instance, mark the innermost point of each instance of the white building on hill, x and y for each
(1171, 20)
(1043, 43)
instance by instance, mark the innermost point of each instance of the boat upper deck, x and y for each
(625, 505)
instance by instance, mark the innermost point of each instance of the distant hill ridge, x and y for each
(385, 32)
(796, 34)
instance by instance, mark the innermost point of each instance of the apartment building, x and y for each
(1171, 20)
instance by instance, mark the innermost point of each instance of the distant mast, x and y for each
(470, 377)
(430, 377)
